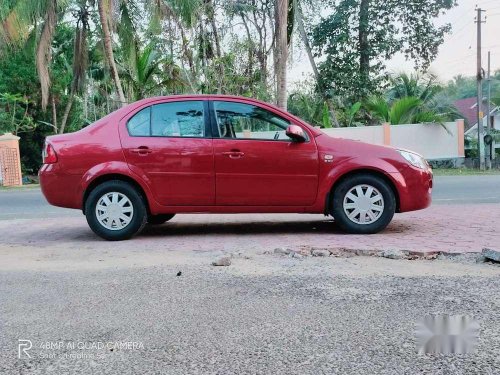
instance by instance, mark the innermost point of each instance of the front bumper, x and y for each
(415, 189)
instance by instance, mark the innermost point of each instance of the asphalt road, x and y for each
(30, 203)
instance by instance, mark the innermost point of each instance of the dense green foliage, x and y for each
(361, 35)
(66, 63)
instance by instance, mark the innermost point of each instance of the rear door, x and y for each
(171, 144)
(256, 164)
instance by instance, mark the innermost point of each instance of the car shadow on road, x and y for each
(264, 227)
(78, 233)
(326, 226)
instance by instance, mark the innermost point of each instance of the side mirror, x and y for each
(296, 133)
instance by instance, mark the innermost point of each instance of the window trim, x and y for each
(215, 128)
(206, 120)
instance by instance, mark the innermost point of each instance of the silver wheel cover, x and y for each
(363, 204)
(114, 211)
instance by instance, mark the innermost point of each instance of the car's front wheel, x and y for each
(363, 204)
(115, 210)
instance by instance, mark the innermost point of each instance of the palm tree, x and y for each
(183, 14)
(20, 20)
(145, 74)
(104, 16)
(407, 110)
(425, 87)
(43, 51)
(26, 13)
(80, 59)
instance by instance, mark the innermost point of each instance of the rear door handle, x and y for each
(234, 154)
(142, 150)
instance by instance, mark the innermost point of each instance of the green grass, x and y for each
(463, 172)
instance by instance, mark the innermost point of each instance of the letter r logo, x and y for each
(23, 347)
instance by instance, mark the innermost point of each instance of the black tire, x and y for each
(344, 187)
(139, 214)
(159, 219)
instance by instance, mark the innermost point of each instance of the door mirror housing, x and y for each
(296, 133)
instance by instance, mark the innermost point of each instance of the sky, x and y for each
(457, 55)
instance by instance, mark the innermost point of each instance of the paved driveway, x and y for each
(465, 217)
(450, 228)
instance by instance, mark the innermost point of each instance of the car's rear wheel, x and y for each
(115, 210)
(363, 204)
(159, 219)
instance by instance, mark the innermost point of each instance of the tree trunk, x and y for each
(220, 63)
(305, 40)
(363, 43)
(188, 55)
(108, 50)
(211, 16)
(54, 114)
(249, 69)
(67, 110)
(43, 51)
(281, 16)
(307, 46)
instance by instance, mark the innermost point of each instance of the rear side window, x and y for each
(178, 119)
(138, 125)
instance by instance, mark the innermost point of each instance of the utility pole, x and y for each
(488, 150)
(480, 138)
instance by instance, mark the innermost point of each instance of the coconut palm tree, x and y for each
(104, 16)
(149, 73)
(80, 59)
(20, 19)
(422, 86)
(406, 110)
(427, 89)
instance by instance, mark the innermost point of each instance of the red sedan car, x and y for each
(161, 156)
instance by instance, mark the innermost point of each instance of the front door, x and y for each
(256, 164)
(171, 144)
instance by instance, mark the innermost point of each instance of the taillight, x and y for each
(49, 154)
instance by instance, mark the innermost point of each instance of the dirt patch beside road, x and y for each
(264, 313)
(251, 262)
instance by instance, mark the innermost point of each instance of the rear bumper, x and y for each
(60, 189)
(414, 188)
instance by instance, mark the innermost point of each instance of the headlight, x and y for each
(414, 159)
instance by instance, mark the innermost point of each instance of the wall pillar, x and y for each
(387, 133)
(10, 161)
(461, 137)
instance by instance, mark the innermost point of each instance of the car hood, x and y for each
(354, 148)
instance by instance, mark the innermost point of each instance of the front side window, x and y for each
(245, 121)
(178, 119)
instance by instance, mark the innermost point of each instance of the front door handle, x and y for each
(234, 154)
(141, 150)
